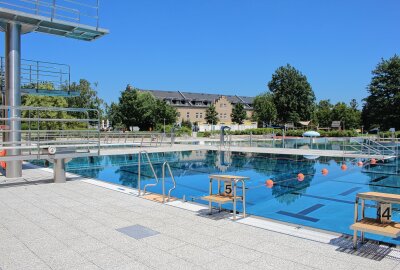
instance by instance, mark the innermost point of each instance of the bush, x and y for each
(387, 134)
(295, 132)
(179, 131)
(205, 134)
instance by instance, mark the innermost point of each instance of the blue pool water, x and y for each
(324, 202)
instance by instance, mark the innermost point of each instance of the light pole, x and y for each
(164, 125)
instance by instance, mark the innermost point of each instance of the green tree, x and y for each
(165, 111)
(323, 113)
(238, 114)
(113, 114)
(46, 101)
(211, 115)
(349, 116)
(136, 108)
(88, 99)
(142, 109)
(382, 106)
(186, 123)
(264, 108)
(293, 96)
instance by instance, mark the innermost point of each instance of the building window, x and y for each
(197, 115)
(188, 115)
(179, 114)
(225, 116)
(221, 105)
(201, 115)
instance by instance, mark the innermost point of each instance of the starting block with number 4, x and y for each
(382, 224)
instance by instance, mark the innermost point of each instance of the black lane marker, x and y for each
(310, 209)
(347, 192)
(323, 198)
(379, 178)
(303, 214)
(298, 216)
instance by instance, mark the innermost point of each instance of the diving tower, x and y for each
(67, 18)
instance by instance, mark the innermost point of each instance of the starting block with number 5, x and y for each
(229, 193)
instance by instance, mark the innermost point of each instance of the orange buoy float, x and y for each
(300, 177)
(373, 161)
(324, 171)
(3, 164)
(269, 183)
(360, 164)
(343, 167)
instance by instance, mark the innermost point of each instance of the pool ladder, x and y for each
(164, 166)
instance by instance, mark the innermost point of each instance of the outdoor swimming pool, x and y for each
(323, 202)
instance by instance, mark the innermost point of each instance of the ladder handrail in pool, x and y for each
(166, 164)
(152, 169)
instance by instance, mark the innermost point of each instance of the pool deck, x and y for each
(74, 226)
(279, 151)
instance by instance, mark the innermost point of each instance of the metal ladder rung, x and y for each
(165, 165)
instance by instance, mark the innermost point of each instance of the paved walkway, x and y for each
(74, 226)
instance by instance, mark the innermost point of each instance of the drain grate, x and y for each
(137, 231)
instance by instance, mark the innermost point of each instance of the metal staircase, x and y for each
(370, 147)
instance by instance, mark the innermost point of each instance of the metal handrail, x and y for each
(37, 135)
(166, 164)
(69, 10)
(370, 148)
(153, 138)
(35, 73)
(152, 169)
(383, 146)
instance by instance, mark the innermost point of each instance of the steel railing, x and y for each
(362, 145)
(146, 154)
(43, 127)
(139, 139)
(82, 12)
(166, 165)
(39, 75)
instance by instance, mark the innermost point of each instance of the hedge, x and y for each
(278, 132)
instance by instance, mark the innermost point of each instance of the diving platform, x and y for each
(69, 19)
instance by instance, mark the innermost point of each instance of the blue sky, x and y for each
(229, 46)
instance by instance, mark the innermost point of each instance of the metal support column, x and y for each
(13, 95)
(59, 170)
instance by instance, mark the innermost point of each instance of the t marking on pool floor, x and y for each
(379, 178)
(347, 192)
(303, 213)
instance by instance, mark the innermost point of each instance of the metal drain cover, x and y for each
(137, 231)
